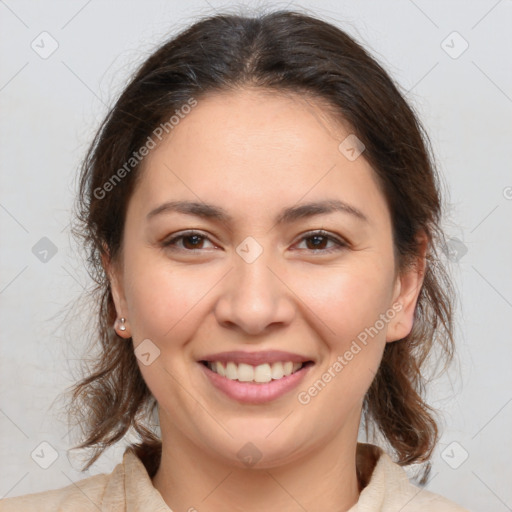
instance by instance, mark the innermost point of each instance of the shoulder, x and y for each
(389, 489)
(88, 494)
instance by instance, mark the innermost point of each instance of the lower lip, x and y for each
(256, 393)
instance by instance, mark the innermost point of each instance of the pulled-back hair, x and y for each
(287, 52)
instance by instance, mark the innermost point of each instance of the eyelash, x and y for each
(171, 243)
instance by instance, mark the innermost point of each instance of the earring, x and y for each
(122, 327)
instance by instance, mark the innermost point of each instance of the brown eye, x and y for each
(190, 241)
(318, 240)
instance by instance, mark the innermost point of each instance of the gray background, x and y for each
(50, 108)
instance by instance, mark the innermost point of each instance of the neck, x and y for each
(323, 479)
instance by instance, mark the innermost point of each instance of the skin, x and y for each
(254, 153)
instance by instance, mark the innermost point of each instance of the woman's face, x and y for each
(258, 283)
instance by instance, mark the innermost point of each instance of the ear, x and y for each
(407, 289)
(115, 277)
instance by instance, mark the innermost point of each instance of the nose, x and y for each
(255, 296)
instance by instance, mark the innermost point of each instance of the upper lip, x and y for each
(256, 358)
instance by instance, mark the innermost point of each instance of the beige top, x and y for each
(128, 488)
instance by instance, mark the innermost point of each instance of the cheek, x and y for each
(162, 299)
(347, 299)
(340, 300)
(348, 308)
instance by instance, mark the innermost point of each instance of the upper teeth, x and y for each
(247, 373)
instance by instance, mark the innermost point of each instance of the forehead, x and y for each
(256, 150)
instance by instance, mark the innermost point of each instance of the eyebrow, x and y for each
(286, 216)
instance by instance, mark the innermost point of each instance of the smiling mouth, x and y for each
(260, 374)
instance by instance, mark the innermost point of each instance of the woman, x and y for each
(263, 217)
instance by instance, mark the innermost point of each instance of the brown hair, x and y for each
(289, 52)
